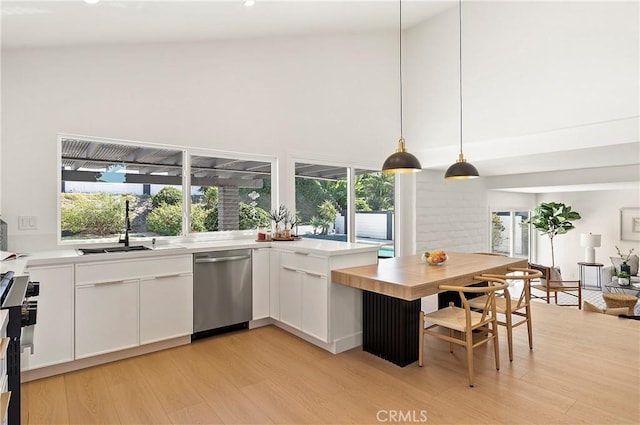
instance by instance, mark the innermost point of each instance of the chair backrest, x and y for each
(545, 270)
(494, 284)
(526, 276)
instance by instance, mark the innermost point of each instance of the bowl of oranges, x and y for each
(435, 258)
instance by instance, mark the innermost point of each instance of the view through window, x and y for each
(509, 234)
(323, 205)
(99, 176)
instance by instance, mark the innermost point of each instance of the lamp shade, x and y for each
(401, 161)
(590, 240)
(461, 170)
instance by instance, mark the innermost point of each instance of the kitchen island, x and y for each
(391, 293)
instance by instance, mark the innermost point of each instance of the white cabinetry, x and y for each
(53, 333)
(122, 304)
(291, 296)
(106, 317)
(260, 271)
(166, 307)
(326, 314)
(274, 284)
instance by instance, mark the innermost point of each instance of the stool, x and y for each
(620, 300)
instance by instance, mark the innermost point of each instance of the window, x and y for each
(321, 201)
(374, 204)
(323, 204)
(229, 194)
(509, 234)
(99, 176)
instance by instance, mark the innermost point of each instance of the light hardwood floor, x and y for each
(585, 368)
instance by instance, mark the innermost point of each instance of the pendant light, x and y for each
(461, 169)
(401, 161)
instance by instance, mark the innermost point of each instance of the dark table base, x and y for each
(390, 327)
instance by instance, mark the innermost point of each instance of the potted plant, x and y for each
(623, 278)
(625, 267)
(551, 219)
(278, 216)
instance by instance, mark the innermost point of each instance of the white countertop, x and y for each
(71, 256)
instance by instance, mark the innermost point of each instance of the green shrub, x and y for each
(211, 220)
(99, 214)
(165, 220)
(253, 217)
(198, 218)
(167, 195)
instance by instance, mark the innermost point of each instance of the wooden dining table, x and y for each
(392, 290)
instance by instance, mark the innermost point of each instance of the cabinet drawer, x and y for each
(305, 262)
(112, 271)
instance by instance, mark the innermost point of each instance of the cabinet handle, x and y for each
(300, 253)
(115, 282)
(316, 275)
(291, 269)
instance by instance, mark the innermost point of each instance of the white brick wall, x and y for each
(451, 215)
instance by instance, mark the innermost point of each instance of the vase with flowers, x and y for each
(624, 266)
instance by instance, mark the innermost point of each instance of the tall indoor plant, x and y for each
(551, 219)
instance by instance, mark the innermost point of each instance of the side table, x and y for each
(582, 268)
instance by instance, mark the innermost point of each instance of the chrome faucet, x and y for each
(127, 225)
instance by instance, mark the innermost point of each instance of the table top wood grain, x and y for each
(410, 278)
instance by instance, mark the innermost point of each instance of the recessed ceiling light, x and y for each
(91, 1)
(249, 3)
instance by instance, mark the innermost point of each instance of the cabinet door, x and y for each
(314, 305)
(53, 333)
(166, 307)
(106, 317)
(290, 296)
(274, 284)
(260, 282)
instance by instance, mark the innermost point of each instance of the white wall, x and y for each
(451, 215)
(328, 97)
(531, 71)
(600, 213)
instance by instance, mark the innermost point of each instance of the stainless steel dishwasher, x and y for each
(221, 291)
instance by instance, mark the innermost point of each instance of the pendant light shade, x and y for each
(461, 169)
(401, 161)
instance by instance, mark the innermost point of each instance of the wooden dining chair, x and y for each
(464, 320)
(505, 305)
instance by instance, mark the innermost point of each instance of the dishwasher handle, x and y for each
(221, 259)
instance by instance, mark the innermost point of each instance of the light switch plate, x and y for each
(27, 222)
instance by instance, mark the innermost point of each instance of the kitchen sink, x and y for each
(113, 249)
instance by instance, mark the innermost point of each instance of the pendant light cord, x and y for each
(401, 102)
(460, 64)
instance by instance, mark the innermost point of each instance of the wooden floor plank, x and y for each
(584, 368)
(88, 398)
(45, 402)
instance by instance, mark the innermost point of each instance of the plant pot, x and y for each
(623, 281)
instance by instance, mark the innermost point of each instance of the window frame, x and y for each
(186, 152)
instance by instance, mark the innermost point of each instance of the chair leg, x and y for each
(579, 297)
(496, 348)
(451, 333)
(469, 348)
(529, 326)
(421, 338)
(510, 334)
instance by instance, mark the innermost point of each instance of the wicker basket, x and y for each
(620, 300)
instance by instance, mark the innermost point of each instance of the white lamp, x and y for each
(590, 242)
